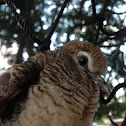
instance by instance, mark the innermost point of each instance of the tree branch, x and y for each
(107, 111)
(119, 13)
(46, 42)
(116, 88)
(122, 57)
(100, 18)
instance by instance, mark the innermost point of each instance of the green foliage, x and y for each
(116, 110)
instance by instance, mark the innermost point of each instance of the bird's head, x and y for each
(89, 58)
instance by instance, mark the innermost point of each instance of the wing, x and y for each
(4, 83)
(13, 80)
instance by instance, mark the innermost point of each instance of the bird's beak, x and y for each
(101, 83)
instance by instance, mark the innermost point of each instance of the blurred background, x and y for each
(77, 23)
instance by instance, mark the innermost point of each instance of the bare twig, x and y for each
(96, 38)
(116, 88)
(116, 53)
(100, 18)
(93, 8)
(107, 111)
(122, 57)
(46, 42)
(58, 4)
(81, 6)
(118, 13)
(118, 33)
(105, 6)
(110, 46)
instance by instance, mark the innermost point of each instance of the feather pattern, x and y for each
(65, 94)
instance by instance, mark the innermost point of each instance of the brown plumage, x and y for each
(67, 91)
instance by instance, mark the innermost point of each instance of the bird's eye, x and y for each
(83, 60)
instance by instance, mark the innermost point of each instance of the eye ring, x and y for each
(83, 60)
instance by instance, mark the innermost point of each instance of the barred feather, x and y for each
(66, 94)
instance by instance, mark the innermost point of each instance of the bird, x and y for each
(55, 88)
